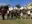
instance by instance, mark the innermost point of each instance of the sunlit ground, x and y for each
(17, 21)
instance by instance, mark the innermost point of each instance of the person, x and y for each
(4, 11)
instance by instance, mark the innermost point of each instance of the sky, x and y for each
(14, 2)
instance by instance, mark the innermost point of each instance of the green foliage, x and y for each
(18, 6)
(31, 4)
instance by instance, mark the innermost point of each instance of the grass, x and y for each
(17, 21)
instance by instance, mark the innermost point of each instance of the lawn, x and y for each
(17, 21)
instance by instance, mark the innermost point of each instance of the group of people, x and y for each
(5, 10)
(13, 12)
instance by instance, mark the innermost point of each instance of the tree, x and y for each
(29, 6)
(18, 6)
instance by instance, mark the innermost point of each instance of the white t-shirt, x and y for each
(10, 9)
(28, 12)
(21, 14)
(7, 11)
